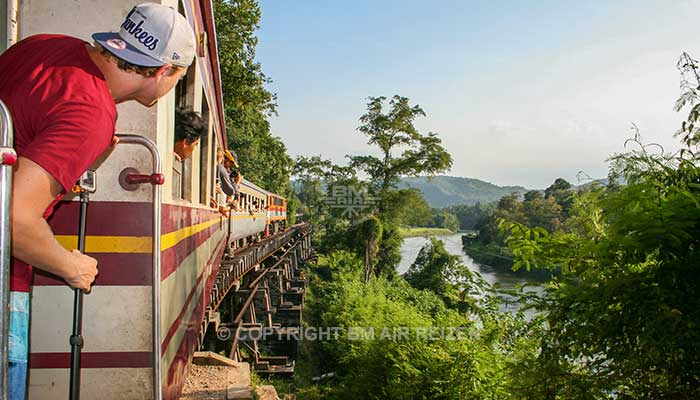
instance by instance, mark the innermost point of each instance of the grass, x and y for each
(414, 232)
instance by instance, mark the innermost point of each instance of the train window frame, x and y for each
(183, 171)
(244, 201)
(205, 155)
(177, 171)
(184, 98)
(185, 94)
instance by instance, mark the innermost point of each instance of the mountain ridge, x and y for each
(443, 191)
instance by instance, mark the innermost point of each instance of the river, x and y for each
(453, 244)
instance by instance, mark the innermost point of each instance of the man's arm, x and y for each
(33, 190)
(226, 184)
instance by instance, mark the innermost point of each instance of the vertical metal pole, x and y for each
(157, 190)
(76, 339)
(156, 259)
(5, 240)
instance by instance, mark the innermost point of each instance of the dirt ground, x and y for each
(212, 382)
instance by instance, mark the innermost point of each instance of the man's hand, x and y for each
(33, 190)
(223, 210)
(84, 272)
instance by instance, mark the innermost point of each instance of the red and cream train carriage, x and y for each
(276, 213)
(124, 317)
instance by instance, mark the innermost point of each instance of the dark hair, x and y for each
(129, 67)
(189, 126)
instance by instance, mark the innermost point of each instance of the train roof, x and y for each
(250, 185)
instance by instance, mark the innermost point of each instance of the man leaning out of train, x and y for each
(223, 184)
(62, 95)
(231, 165)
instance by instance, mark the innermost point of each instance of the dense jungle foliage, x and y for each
(620, 318)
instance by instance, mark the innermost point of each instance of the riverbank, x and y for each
(492, 255)
(418, 232)
(500, 259)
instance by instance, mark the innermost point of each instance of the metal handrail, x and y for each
(155, 248)
(8, 159)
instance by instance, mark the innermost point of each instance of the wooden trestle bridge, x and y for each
(260, 288)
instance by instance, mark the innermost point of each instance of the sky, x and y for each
(521, 92)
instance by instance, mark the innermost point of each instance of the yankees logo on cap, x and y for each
(150, 36)
(116, 44)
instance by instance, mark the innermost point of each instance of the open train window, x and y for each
(183, 146)
(184, 100)
(187, 168)
(243, 201)
(204, 155)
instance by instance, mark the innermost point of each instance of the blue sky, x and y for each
(520, 92)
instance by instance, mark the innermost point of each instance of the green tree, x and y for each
(414, 210)
(403, 152)
(543, 212)
(469, 216)
(368, 235)
(393, 131)
(562, 192)
(532, 195)
(247, 103)
(445, 219)
(389, 251)
(508, 208)
(621, 319)
(385, 366)
(442, 273)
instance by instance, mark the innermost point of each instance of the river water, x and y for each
(453, 244)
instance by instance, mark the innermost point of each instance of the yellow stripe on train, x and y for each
(139, 244)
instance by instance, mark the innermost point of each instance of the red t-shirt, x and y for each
(62, 110)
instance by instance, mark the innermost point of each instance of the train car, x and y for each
(276, 213)
(158, 246)
(249, 216)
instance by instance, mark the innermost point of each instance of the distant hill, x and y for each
(442, 191)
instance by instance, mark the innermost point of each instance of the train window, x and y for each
(178, 167)
(187, 180)
(184, 99)
(204, 155)
(182, 168)
(184, 90)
